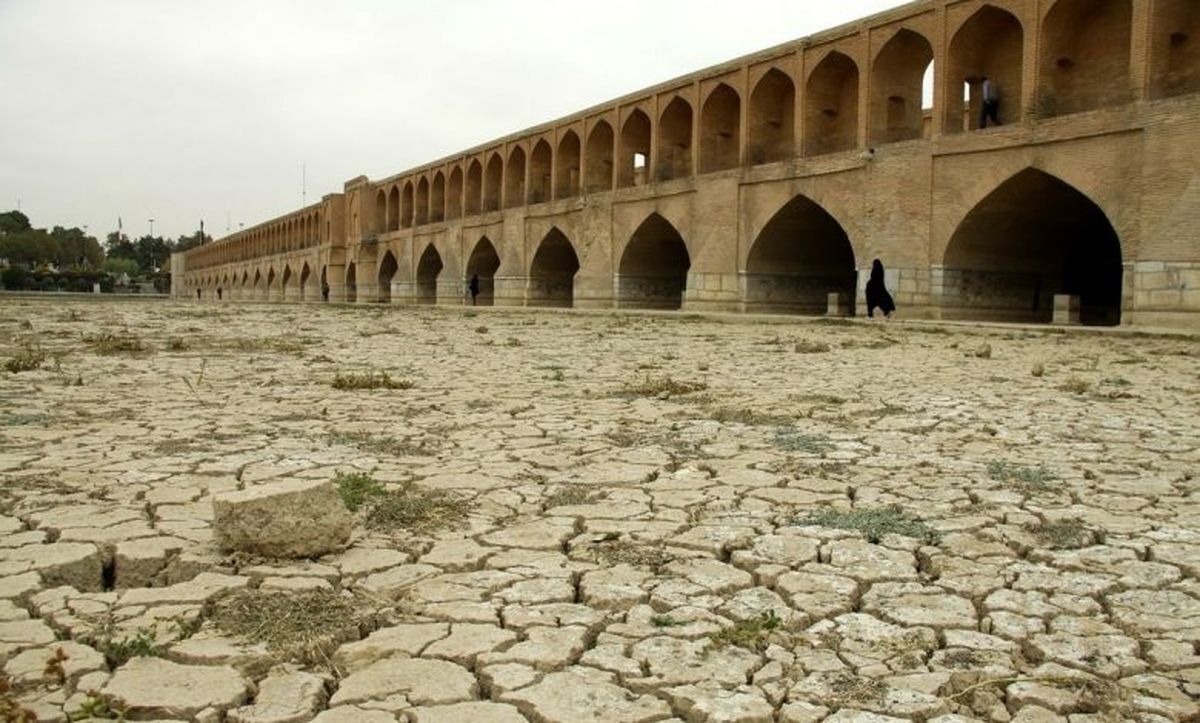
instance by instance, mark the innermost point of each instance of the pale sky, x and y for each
(179, 110)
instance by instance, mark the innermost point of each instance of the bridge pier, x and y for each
(508, 291)
(404, 293)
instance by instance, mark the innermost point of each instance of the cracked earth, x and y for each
(652, 518)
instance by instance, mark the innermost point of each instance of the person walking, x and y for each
(474, 288)
(877, 293)
(991, 104)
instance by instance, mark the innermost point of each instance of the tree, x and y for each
(118, 265)
(119, 246)
(77, 248)
(152, 252)
(14, 222)
(188, 242)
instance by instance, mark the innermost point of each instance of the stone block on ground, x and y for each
(291, 519)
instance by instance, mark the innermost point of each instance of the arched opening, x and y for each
(897, 88)
(990, 44)
(422, 215)
(387, 272)
(492, 182)
(539, 172)
(454, 197)
(599, 173)
(429, 267)
(218, 293)
(566, 168)
(394, 209)
(1032, 238)
(675, 141)
(552, 273)
(379, 219)
(351, 283)
(305, 280)
(272, 290)
(437, 201)
(1085, 56)
(285, 281)
(773, 118)
(325, 283)
(474, 198)
(484, 262)
(831, 102)
(720, 130)
(635, 150)
(654, 266)
(800, 257)
(407, 206)
(514, 180)
(1175, 48)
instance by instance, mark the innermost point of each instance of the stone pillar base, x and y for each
(838, 305)
(1066, 310)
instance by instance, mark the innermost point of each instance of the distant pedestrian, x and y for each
(474, 287)
(877, 293)
(991, 104)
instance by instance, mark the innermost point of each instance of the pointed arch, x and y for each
(378, 220)
(386, 275)
(831, 103)
(429, 267)
(484, 262)
(306, 278)
(773, 118)
(720, 130)
(421, 216)
(990, 44)
(566, 166)
(598, 176)
(454, 194)
(437, 199)
(897, 82)
(351, 285)
(675, 140)
(635, 150)
(1175, 48)
(552, 272)
(407, 206)
(1031, 238)
(540, 170)
(798, 258)
(514, 179)
(1086, 46)
(493, 180)
(654, 266)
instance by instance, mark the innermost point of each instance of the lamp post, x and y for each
(152, 228)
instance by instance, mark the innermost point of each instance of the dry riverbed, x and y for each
(598, 517)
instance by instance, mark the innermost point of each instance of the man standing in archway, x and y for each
(474, 287)
(991, 104)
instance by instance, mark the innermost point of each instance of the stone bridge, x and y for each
(770, 183)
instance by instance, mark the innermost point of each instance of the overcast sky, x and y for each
(189, 109)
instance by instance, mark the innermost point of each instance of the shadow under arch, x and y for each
(800, 257)
(654, 267)
(552, 272)
(1033, 237)
(429, 267)
(387, 272)
(484, 262)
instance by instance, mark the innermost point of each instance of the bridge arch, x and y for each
(421, 217)
(1085, 49)
(285, 282)
(1175, 48)
(378, 219)
(1031, 238)
(454, 194)
(272, 293)
(598, 176)
(772, 118)
(541, 163)
(720, 130)
(306, 278)
(991, 44)
(474, 196)
(675, 140)
(437, 200)
(514, 178)
(429, 268)
(567, 169)
(897, 79)
(492, 182)
(351, 286)
(653, 270)
(552, 272)
(385, 274)
(831, 106)
(801, 255)
(634, 154)
(484, 262)
(407, 206)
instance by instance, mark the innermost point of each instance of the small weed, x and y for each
(850, 690)
(177, 344)
(270, 344)
(357, 489)
(11, 711)
(118, 651)
(1022, 478)
(665, 621)
(752, 634)
(748, 417)
(649, 386)
(1119, 382)
(1039, 370)
(873, 522)
(109, 344)
(512, 341)
(570, 496)
(26, 360)
(790, 439)
(95, 707)
(417, 510)
(1075, 385)
(611, 551)
(481, 330)
(379, 445)
(807, 346)
(369, 380)
(557, 375)
(305, 627)
(54, 668)
(1068, 534)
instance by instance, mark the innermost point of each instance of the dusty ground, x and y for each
(618, 518)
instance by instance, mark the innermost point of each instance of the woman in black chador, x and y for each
(877, 294)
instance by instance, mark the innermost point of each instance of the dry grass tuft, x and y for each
(369, 380)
